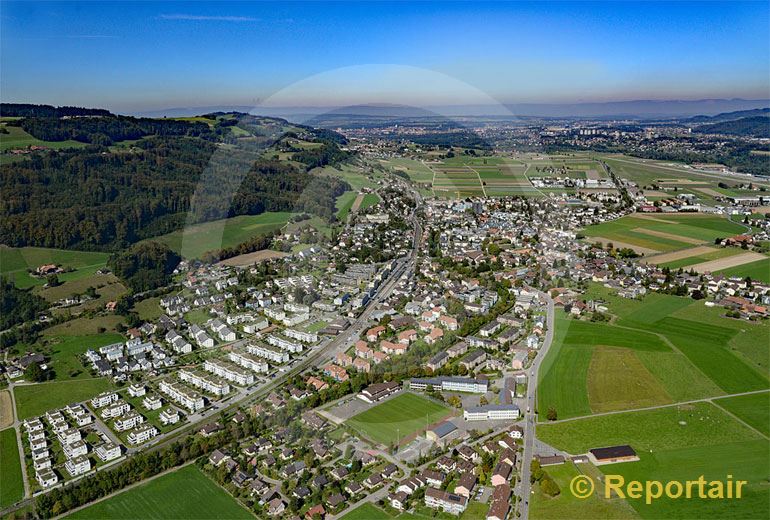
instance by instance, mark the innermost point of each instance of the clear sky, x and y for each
(147, 55)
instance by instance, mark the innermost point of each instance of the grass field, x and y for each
(698, 258)
(65, 352)
(195, 240)
(753, 409)
(186, 493)
(33, 400)
(659, 350)
(566, 505)
(398, 418)
(11, 478)
(85, 326)
(759, 270)
(367, 511)
(343, 204)
(14, 262)
(678, 443)
(18, 138)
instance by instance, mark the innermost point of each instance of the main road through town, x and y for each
(524, 488)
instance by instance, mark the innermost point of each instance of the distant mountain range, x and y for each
(639, 109)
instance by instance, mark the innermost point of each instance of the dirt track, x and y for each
(724, 263)
(678, 255)
(6, 410)
(250, 258)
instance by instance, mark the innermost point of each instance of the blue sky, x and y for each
(146, 55)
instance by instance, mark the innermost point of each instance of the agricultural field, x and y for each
(757, 270)
(663, 349)
(566, 505)
(194, 241)
(753, 409)
(398, 418)
(677, 443)
(416, 170)
(649, 235)
(693, 256)
(35, 399)
(185, 493)
(11, 479)
(15, 261)
(17, 138)
(86, 326)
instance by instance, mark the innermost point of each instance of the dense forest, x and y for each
(28, 110)
(756, 126)
(175, 173)
(17, 305)
(145, 266)
(106, 130)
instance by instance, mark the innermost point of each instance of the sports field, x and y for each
(15, 261)
(398, 418)
(11, 484)
(754, 409)
(186, 493)
(660, 350)
(195, 240)
(33, 400)
(677, 443)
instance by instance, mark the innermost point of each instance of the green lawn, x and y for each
(753, 409)
(344, 203)
(149, 309)
(706, 257)
(186, 493)
(398, 418)
(11, 479)
(367, 511)
(14, 262)
(33, 400)
(195, 240)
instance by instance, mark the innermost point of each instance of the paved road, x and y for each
(523, 488)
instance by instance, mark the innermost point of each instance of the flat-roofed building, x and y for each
(186, 397)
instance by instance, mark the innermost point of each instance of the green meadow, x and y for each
(663, 349)
(185, 493)
(677, 443)
(11, 478)
(753, 409)
(18, 138)
(195, 240)
(35, 399)
(15, 261)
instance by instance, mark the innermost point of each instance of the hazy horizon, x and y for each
(149, 56)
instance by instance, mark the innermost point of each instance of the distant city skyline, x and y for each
(134, 57)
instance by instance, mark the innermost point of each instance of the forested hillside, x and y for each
(172, 173)
(756, 126)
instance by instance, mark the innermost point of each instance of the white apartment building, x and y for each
(142, 434)
(78, 466)
(128, 421)
(169, 416)
(249, 361)
(492, 412)
(108, 451)
(187, 398)
(76, 449)
(69, 436)
(137, 390)
(152, 402)
(115, 410)
(305, 337)
(284, 343)
(104, 399)
(206, 382)
(229, 371)
(46, 477)
(269, 352)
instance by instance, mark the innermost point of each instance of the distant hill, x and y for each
(29, 110)
(756, 126)
(730, 116)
